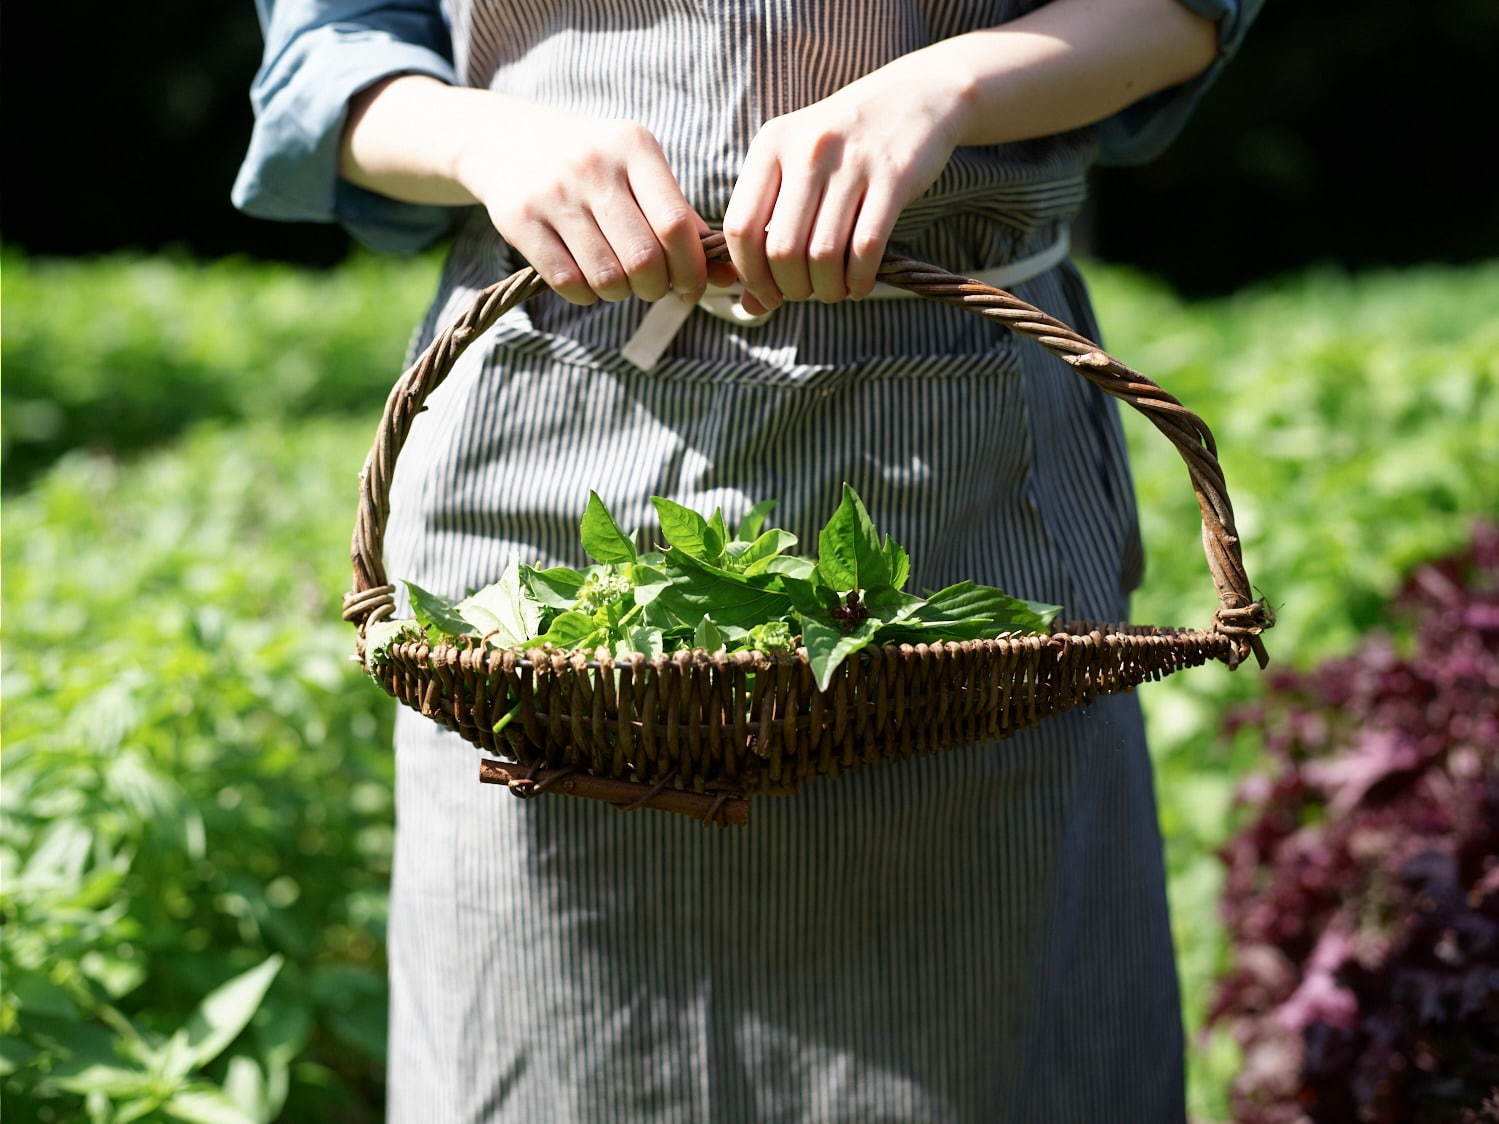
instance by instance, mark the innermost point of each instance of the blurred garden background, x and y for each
(196, 823)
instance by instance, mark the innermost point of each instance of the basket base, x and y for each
(527, 781)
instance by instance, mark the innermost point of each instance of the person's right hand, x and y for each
(590, 203)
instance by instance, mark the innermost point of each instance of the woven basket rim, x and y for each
(1064, 635)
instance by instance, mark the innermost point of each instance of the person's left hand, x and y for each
(821, 188)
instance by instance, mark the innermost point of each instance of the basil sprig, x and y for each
(709, 587)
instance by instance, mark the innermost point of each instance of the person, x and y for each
(980, 935)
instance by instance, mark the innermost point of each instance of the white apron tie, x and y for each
(666, 316)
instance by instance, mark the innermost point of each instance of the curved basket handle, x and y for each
(1238, 615)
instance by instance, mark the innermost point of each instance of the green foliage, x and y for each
(197, 779)
(197, 789)
(122, 353)
(709, 591)
(602, 538)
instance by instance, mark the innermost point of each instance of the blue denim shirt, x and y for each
(320, 53)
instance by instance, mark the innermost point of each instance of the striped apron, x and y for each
(976, 936)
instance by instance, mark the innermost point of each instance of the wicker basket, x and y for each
(699, 734)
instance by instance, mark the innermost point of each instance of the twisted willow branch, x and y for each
(1239, 615)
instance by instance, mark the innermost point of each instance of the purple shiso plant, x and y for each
(1362, 896)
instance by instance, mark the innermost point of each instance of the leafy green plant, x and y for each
(711, 589)
(195, 787)
(133, 1073)
(122, 353)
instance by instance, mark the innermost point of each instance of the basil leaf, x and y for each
(756, 557)
(898, 561)
(706, 635)
(570, 630)
(793, 565)
(773, 636)
(808, 598)
(380, 636)
(687, 531)
(557, 587)
(698, 589)
(966, 601)
(1047, 613)
(436, 612)
(849, 553)
(911, 631)
(602, 538)
(647, 641)
(828, 646)
(754, 519)
(649, 582)
(720, 531)
(891, 605)
(502, 611)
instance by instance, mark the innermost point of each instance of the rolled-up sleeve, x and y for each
(318, 55)
(1142, 131)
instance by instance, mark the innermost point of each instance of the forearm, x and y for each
(1067, 64)
(406, 137)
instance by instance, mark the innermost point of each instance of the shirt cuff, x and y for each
(290, 171)
(1142, 131)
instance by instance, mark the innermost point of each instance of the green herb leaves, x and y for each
(720, 591)
(849, 553)
(437, 614)
(687, 531)
(503, 613)
(602, 538)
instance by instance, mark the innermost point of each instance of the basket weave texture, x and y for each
(698, 733)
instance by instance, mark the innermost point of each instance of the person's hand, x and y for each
(590, 203)
(821, 188)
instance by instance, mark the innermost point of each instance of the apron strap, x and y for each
(666, 316)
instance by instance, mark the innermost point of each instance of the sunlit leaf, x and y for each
(601, 536)
(754, 520)
(224, 1012)
(849, 552)
(437, 612)
(206, 1104)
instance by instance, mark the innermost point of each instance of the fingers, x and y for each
(634, 246)
(819, 232)
(744, 223)
(871, 233)
(549, 256)
(675, 226)
(594, 207)
(827, 244)
(751, 305)
(722, 273)
(786, 235)
(590, 248)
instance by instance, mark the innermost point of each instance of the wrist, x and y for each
(470, 144)
(401, 137)
(949, 87)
